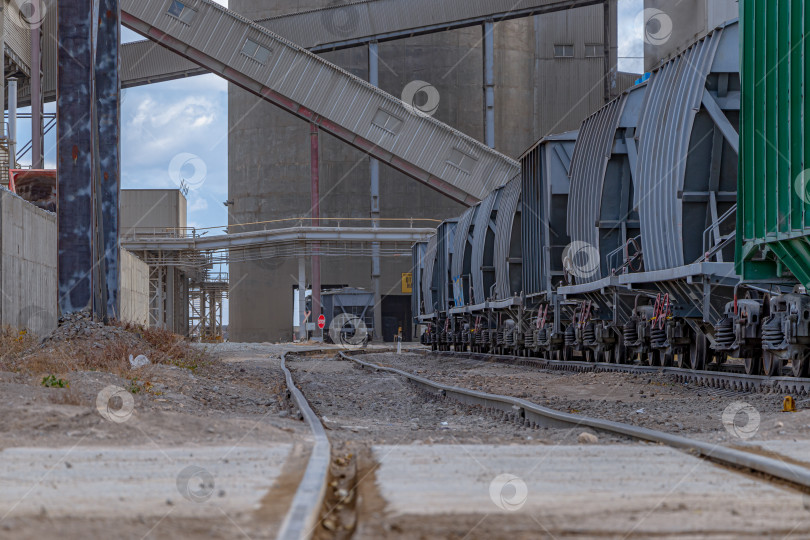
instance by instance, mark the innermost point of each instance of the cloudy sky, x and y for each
(165, 124)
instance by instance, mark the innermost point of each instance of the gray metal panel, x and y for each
(593, 150)
(17, 35)
(462, 247)
(146, 62)
(666, 146)
(428, 278)
(349, 24)
(342, 104)
(544, 194)
(483, 222)
(418, 260)
(507, 212)
(444, 255)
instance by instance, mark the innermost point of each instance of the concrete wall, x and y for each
(152, 209)
(28, 293)
(134, 295)
(689, 20)
(269, 156)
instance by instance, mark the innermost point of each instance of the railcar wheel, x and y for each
(753, 365)
(800, 365)
(771, 364)
(589, 355)
(668, 359)
(655, 358)
(699, 352)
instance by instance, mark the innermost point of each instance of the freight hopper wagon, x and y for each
(617, 242)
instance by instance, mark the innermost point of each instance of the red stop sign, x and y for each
(321, 322)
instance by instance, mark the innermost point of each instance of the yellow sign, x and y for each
(407, 283)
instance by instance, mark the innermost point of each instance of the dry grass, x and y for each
(21, 352)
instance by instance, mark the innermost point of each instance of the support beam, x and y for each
(611, 45)
(315, 194)
(302, 299)
(374, 78)
(12, 123)
(37, 161)
(489, 83)
(76, 20)
(108, 91)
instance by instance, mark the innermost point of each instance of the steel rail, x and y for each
(302, 517)
(523, 411)
(739, 382)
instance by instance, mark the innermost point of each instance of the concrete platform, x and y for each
(104, 482)
(588, 489)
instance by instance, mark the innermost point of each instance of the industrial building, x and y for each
(505, 79)
(548, 75)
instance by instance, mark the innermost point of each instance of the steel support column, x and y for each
(611, 44)
(75, 152)
(374, 78)
(316, 214)
(12, 123)
(302, 298)
(489, 83)
(36, 88)
(108, 91)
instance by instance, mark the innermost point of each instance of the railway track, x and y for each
(311, 502)
(302, 518)
(727, 380)
(511, 409)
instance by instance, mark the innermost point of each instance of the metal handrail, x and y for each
(709, 252)
(197, 232)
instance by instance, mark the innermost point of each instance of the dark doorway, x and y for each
(396, 314)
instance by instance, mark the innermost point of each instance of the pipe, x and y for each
(316, 214)
(489, 84)
(12, 123)
(36, 95)
(302, 299)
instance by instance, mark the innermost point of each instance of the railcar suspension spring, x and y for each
(724, 334)
(630, 332)
(570, 335)
(772, 333)
(658, 336)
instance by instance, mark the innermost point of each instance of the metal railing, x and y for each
(198, 232)
(721, 241)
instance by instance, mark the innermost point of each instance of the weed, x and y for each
(50, 381)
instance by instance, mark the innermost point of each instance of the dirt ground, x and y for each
(654, 401)
(233, 399)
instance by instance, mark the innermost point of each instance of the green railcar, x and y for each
(773, 213)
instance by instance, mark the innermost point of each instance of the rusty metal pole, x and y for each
(316, 214)
(610, 39)
(108, 92)
(76, 20)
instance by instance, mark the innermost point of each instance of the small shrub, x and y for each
(50, 381)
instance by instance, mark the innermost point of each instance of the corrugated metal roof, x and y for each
(17, 36)
(671, 104)
(340, 103)
(507, 210)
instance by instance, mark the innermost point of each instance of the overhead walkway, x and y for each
(311, 88)
(346, 25)
(148, 240)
